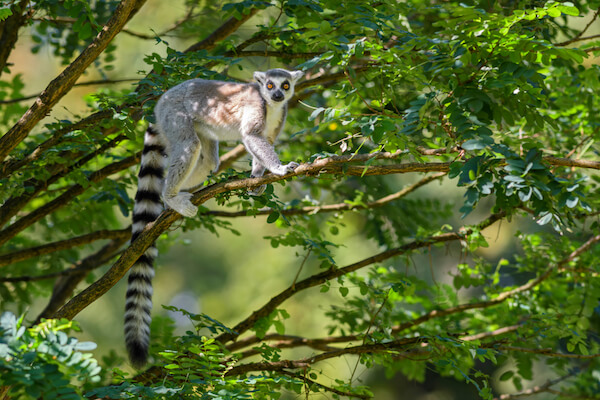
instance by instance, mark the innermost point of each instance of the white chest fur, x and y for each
(275, 116)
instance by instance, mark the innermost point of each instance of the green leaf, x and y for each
(554, 12)
(274, 216)
(568, 8)
(86, 31)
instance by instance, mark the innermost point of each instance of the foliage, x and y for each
(42, 361)
(495, 102)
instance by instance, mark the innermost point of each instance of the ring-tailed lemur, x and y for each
(191, 119)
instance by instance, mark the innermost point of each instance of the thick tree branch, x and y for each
(63, 83)
(20, 255)
(327, 165)
(168, 217)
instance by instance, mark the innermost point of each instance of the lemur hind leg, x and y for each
(207, 163)
(184, 153)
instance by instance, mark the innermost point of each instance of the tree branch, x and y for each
(394, 346)
(12, 206)
(303, 378)
(65, 198)
(10, 166)
(538, 389)
(319, 278)
(334, 273)
(69, 279)
(222, 32)
(9, 31)
(63, 83)
(87, 83)
(332, 164)
(332, 207)
(569, 162)
(545, 352)
(579, 37)
(278, 54)
(20, 255)
(168, 217)
(502, 296)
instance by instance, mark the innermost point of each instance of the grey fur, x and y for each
(196, 114)
(191, 119)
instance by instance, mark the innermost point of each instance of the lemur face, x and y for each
(277, 85)
(277, 88)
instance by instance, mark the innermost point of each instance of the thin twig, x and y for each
(87, 83)
(20, 255)
(15, 204)
(324, 387)
(578, 37)
(68, 281)
(545, 352)
(64, 199)
(332, 207)
(540, 388)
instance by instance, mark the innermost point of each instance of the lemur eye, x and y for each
(269, 85)
(285, 86)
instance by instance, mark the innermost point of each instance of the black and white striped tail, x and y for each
(147, 207)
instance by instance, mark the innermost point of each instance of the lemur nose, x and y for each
(278, 96)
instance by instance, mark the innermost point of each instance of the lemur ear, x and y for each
(260, 76)
(296, 75)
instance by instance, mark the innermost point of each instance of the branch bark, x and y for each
(326, 165)
(168, 217)
(334, 273)
(65, 198)
(10, 258)
(9, 30)
(14, 204)
(66, 79)
(66, 284)
(332, 207)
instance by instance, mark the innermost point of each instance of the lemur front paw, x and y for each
(182, 204)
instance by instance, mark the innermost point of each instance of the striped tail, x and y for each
(147, 207)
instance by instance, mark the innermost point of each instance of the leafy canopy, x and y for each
(419, 126)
